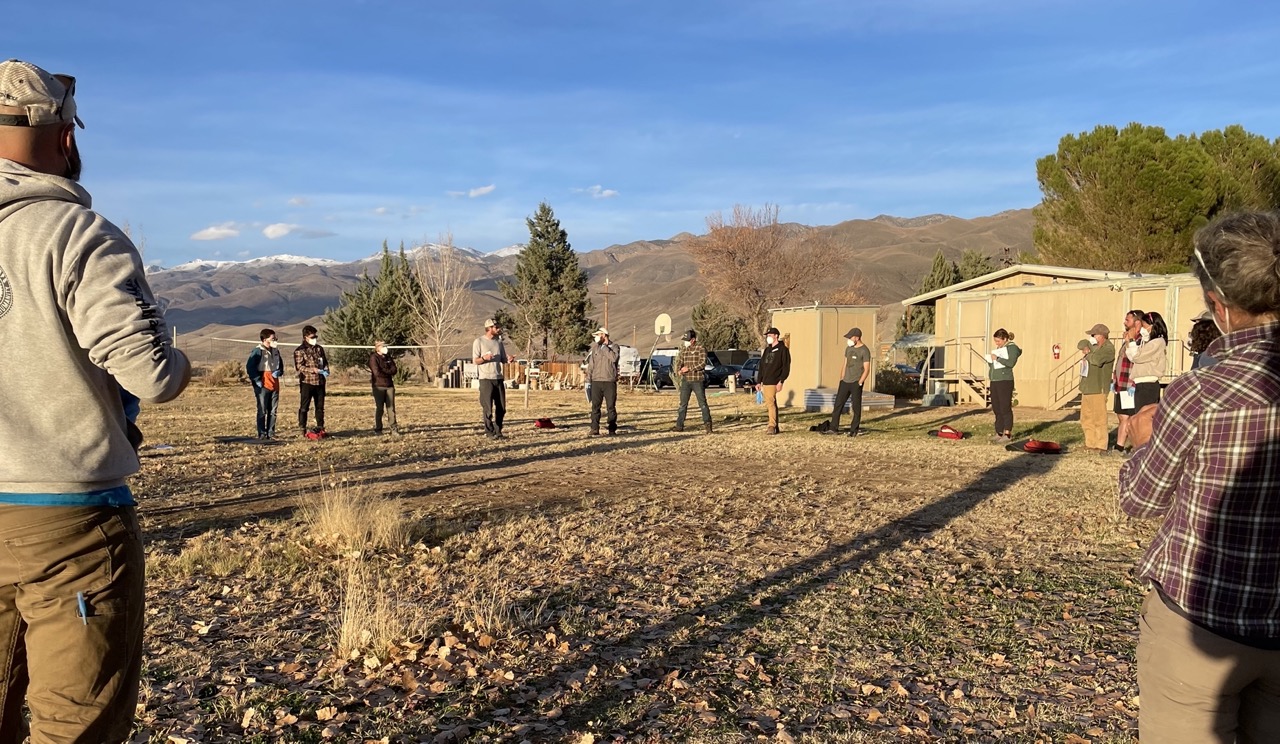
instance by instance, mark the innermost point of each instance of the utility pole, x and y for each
(606, 294)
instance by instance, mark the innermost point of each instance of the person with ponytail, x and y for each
(1150, 357)
(1001, 361)
(1207, 462)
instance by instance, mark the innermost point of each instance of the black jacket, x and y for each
(775, 364)
(382, 370)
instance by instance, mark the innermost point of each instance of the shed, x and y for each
(815, 336)
(1044, 307)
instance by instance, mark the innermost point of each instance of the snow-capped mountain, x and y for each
(511, 250)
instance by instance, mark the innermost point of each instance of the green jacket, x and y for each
(1101, 362)
(1005, 372)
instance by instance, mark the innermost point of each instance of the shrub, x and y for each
(225, 373)
(890, 381)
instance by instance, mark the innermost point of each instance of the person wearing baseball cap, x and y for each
(775, 368)
(82, 341)
(857, 367)
(488, 354)
(1098, 358)
(602, 376)
(689, 369)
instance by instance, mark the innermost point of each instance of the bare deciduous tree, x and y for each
(444, 303)
(752, 263)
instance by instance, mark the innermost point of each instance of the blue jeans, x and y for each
(268, 402)
(700, 392)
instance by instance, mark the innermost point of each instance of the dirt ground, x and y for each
(646, 587)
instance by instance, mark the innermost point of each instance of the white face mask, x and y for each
(850, 342)
(1093, 340)
(381, 350)
(271, 344)
(1145, 334)
(688, 344)
(313, 341)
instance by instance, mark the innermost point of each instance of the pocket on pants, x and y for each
(83, 554)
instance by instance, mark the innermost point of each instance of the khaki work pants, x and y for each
(1197, 687)
(1093, 419)
(75, 663)
(771, 404)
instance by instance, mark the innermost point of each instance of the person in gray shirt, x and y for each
(857, 367)
(489, 355)
(602, 374)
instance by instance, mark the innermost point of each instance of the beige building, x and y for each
(815, 336)
(1048, 309)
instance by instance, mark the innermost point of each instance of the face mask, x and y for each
(271, 344)
(381, 350)
(1145, 334)
(849, 341)
(313, 341)
(687, 344)
(1093, 340)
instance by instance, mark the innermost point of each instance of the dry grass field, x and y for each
(653, 586)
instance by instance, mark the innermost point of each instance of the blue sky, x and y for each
(241, 129)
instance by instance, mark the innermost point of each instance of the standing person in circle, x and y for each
(312, 365)
(265, 368)
(1122, 380)
(1207, 463)
(382, 376)
(1001, 361)
(1150, 360)
(691, 366)
(775, 368)
(857, 367)
(489, 354)
(602, 378)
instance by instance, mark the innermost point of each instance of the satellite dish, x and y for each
(662, 325)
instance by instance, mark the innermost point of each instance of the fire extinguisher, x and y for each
(1057, 351)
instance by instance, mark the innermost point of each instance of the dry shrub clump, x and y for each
(372, 617)
(223, 374)
(352, 516)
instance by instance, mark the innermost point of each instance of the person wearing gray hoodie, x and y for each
(602, 376)
(82, 340)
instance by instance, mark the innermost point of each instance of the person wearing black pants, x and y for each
(602, 377)
(382, 376)
(312, 366)
(1002, 406)
(1001, 361)
(857, 367)
(489, 354)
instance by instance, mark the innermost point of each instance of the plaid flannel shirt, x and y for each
(308, 360)
(695, 358)
(1123, 367)
(1212, 470)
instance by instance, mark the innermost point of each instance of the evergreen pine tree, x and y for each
(919, 318)
(374, 309)
(719, 328)
(549, 293)
(972, 265)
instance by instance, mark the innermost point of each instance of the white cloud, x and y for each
(218, 232)
(242, 254)
(481, 190)
(279, 230)
(382, 210)
(456, 194)
(600, 192)
(299, 201)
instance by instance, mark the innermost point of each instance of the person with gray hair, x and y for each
(82, 340)
(1207, 461)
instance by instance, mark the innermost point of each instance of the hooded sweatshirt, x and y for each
(78, 327)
